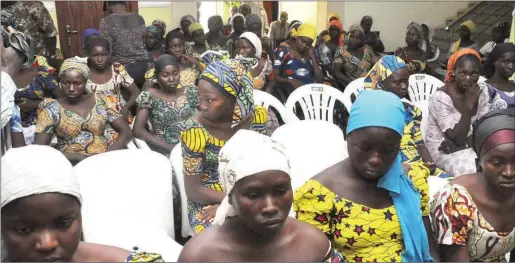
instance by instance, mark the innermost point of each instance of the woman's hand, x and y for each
(191, 59)
(472, 97)
(295, 83)
(125, 113)
(448, 147)
(208, 213)
(431, 166)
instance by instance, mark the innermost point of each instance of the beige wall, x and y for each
(307, 12)
(391, 18)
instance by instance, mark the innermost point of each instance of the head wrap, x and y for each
(430, 36)
(154, 31)
(356, 27)
(163, 61)
(232, 20)
(495, 128)
(497, 52)
(160, 23)
(420, 32)
(194, 27)
(49, 172)
(384, 68)
(472, 28)
(253, 19)
(255, 41)
(245, 6)
(88, 32)
(406, 200)
(294, 26)
(307, 30)
(76, 65)
(261, 153)
(189, 18)
(505, 29)
(339, 25)
(333, 15)
(454, 58)
(232, 78)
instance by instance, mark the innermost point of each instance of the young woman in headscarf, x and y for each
(245, 10)
(473, 215)
(354, 61)
(79, 119)
(391, 74)
(500, 34)
(41, 212)
(429, 46)
(452, 110)
(294, 26)
(226, 105)
(254, 24)
(296, 65)
(252, 223)
(200, 44)
(86, 35)
(498, 68)
(238, 26)
(161, 26)
(326, 50)
(214, 36)
(413, 54)
(186, 22)
(152, 40)
(465, 30)
(371, 205)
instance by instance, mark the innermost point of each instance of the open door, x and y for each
(75, 16)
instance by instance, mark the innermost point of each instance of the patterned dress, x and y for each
(76, 134)
(412, 137)
(200, 152)
(443, 116)
(358, 232)
(144, 257)
(292, 67)
(353, 66)
(411, 63)
(500, 100)
(188, 76)
(456, 220)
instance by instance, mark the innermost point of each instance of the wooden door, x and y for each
(78, 16)
(268, 6)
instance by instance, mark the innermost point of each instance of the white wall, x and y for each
(307, 12)
(391, 18)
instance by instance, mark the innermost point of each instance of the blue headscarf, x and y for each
(365, 112)
(88, 32)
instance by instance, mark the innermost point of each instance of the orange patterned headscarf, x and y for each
(454, 57)
(338, 24)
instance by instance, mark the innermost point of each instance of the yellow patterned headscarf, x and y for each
(194, 27)
(471, 26)
(333, 15)
(385, 67)
(76, 65)
(307, 30)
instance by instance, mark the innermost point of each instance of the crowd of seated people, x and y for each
(194, 90)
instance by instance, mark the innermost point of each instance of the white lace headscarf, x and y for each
(245, 154)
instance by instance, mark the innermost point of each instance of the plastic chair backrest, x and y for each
(424, 107)
(266, 100)
(354, 88)
(316, 101)
(481, 79)
(125, 190)
(177, 164)
(435, 56)
(422, 86)
(141, 144)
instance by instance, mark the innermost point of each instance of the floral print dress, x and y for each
(360, 233)
(353, 66)
(456, 220)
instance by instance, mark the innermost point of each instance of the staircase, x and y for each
(484, 14)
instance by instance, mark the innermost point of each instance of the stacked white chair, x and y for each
(177, 164)
(316, 101)
(128, 201)
(422, 86)
(354, 88)
(266, 100)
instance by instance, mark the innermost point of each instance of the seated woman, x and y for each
(429, 46)
(452, 110)
(237, 26)
(186, 22)
(472, 217)
(199, 44)
(413, 54)
(500, 34)
(254, 24)
(214, 36)
(372, 207)
(41, 212)
(161, 28)
(152, 40)
(391, 74)
(498, 68)
(78, 119)
(295, 65)
(354, 61)
(252, 223)
(226, 106)
(326, 51)
(466, 29)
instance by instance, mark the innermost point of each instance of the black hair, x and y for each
(468, 57)
(173, 35)
(489, 66)
(108, 3)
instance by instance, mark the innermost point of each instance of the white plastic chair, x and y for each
(266, 100)
(316, 101)
(422, 86)
(435, 56)
(128, 200)
(177, 164)
(141, 144)
(354, 88)
(481, 79)
(312, 146)
(424, 107)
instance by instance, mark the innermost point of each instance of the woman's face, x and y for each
(176, 47)
(334, 32)
(466, 74)
(246, 49)
(397, 83)
(150, 40)
(505, 65)
(356, 39)
(425, 30)
(499, 167)
(185, 24)
(99, 57)
(214, 106)
(42, 227)
(215, 24)
(245, 11)
(73, 85)
(169, 77)
(238, 23)
(372, 151)
(412, 37)
(198, 37)
(464, 32)
(263, 201)
(254, 28)
(304, 44)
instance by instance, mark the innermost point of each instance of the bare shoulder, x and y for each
(310, 238)
(206, 242)
(89, 252)
(328, 174)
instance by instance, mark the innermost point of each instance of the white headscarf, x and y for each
(232, 19)
(255, 41)
(37, 169)
(247, 153)
(431, 34)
